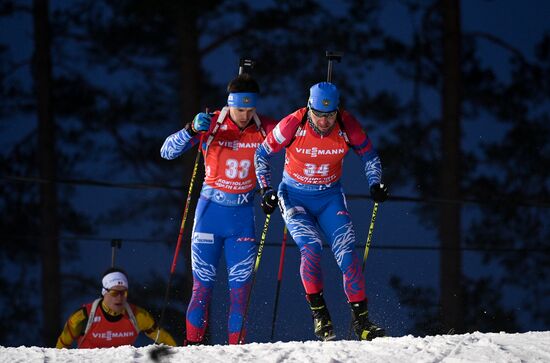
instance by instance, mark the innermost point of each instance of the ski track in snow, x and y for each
(474, 347)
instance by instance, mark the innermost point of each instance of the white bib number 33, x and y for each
(237, 169)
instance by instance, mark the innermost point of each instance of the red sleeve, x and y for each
(357, 136)
(283, 133)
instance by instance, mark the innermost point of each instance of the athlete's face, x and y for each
(241, 116)
(324, 121)
(115, 298)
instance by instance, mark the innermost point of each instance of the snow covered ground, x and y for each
(475, 347)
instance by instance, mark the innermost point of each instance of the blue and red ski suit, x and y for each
(224, 216)
(311, 197)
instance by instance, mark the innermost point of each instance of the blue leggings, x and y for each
(309, 213)
(218, 226)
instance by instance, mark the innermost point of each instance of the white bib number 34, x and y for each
(314, 169)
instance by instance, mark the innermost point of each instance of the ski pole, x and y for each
(369, 235)
(178, 244)
(367, 248)
(115, 243)
(279, 278)
(256, 264)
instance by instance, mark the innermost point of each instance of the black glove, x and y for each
(269, 200)
(379, 192)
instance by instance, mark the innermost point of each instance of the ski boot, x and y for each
(362, 326)
(322, 324)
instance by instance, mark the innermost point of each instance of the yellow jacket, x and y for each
(75, 326)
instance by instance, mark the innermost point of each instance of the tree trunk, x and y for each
(452, 313)
(190, 70)
(190, 104)
(49, 244)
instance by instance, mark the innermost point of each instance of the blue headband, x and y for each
(242, 100)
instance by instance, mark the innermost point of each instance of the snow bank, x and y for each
(475, 347)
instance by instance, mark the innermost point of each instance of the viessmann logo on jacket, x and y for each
(314, 151)
(235, 144)
(109, 335)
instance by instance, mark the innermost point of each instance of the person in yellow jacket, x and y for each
(110, 321)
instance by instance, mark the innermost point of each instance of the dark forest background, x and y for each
(463, 140)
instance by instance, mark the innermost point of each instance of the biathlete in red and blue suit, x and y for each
(224, 215)
(312, 201)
